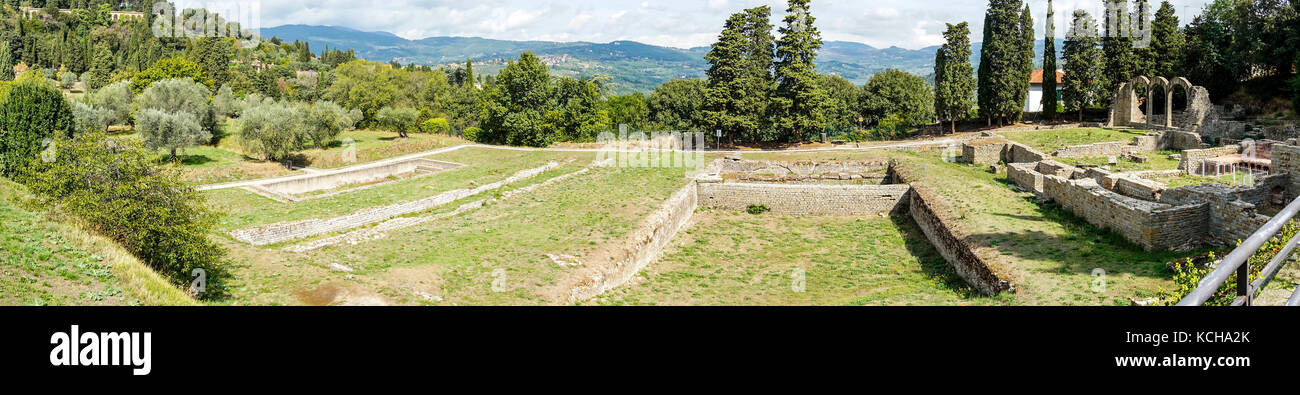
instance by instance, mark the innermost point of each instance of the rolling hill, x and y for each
(633, 66)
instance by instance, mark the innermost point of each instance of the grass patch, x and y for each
(1158, 160)
(731, 258)
(46, 262)
(1049, 141)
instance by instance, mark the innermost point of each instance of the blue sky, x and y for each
(909, 24)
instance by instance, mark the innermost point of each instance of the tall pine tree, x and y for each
(1084, 81)
(738, 86)
(1049, 65)
(1026, 66)
(1002, 62)
(800, 100)
(954, 80)
(1117, 44)
(1168, 42)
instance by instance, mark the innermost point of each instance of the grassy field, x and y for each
(1191, 179)
(730, 258)
(1158, 160)
(227, 161)
(495, 255)
(1049, 141)
(483, 166)
(45, 262)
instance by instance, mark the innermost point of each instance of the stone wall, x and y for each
(1137, 188)
(1154, 226)
(983, 151)
(357, 175)
(1020, 153)
(1286, 160)
(1192, 158)
(1180, 140)
(792, 199)
(644, 245)
(1026, 176)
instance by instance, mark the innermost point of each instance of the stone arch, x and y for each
(1169, 97)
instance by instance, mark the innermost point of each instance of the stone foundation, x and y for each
(790, 199)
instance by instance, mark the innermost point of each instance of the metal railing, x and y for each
(1238, 262)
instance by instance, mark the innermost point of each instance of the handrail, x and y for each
(1295, 298)
(1236, 261)
(1266, 275)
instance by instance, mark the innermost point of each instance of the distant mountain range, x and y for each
(633, 66)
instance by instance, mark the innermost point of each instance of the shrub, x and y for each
(271, 130)
(118, 190)
(401, 120)
(171, 68)
(178, 95)
(67, 79)
(435, 125)
(757, 209)
(87, 117)
(31, 111)
(116, 97)
(170, 130)
(472, 133)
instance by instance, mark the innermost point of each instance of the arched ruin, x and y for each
(1126, 108)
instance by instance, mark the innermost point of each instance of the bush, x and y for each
(87, 117)
(116, 189)
(31, 111)
(116, 97)
(401, 120)
(170, 130)
(67, 79)
(757, 209)
(178, 95)
(435, 125)
(166, 69)
(223, 104)
(271, 130)
(472, 133)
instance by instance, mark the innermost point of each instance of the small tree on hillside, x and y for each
(271, 130)
(116, 97)
(87, 117)
(323, 121)
(170, 131)
(30, 112)
(401, 120)
(179, 95)
(223, 104)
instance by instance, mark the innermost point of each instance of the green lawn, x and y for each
(38, 266)
(1191, 179)
(731, 258)
(1049, 141)
(494, 255)
(484, 166)
(1158, 160)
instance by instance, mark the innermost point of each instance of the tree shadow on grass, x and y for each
(932, 263)
(193, 160)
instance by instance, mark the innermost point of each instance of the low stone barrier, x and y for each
(805, 199)
(944, 236)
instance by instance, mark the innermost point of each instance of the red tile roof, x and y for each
(1037, 77)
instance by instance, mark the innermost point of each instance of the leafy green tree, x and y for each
(1049, 65)
(170, 68)
(799, 101)
(90, 118)
(223, 104)
(115, 97)
(323, 121)
(897, 92)
(679, 104)
(270, 129)
(740, 80)
(953, 76)
(1084, 82)
(843, 98)
(1211, 60)
(31, 111)
(117, 189)
(67, 79)
(172, 131)
(579, 115)
(1144, 55)
(6, 63)
(631, 109)
(514, 108)
(178, 95)
(436, 126)
(101, 67)
(1167, 43)
(402, 120)
(212, 55)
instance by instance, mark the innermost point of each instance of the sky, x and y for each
(910, 24)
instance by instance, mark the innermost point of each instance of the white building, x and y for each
(1035, 101)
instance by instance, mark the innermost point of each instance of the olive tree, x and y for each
(116, 97)
(87, 117)
(178, 95)
(401, 120)
(272, 130)
(172, 131)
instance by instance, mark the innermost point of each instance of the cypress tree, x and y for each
(1025, 69)
(1117, 44)
(1083, 64)
(800, 99)
(6, 63)
(469, 72)
(1144, 58)
(1049, 65)
(739, 76)
(1168, 42)
(1002, 62)
(954, 81)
